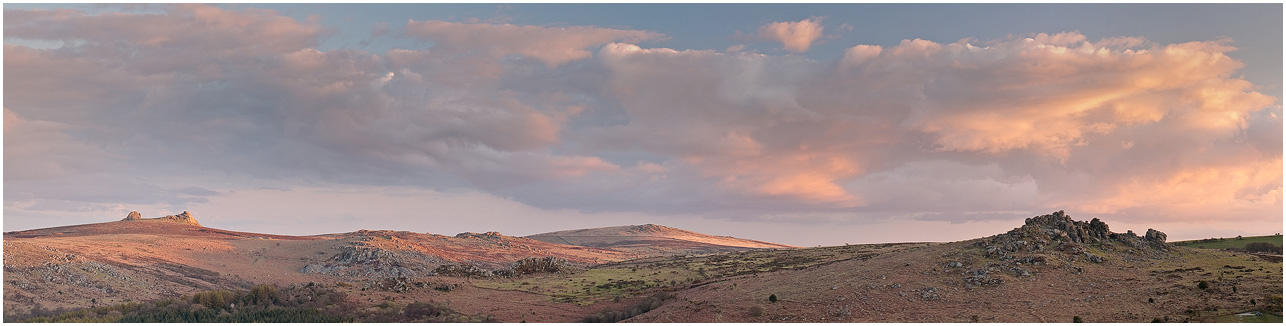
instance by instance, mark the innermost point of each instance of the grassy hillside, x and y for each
(1230, 243)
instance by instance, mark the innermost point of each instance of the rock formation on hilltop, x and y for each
(1060, 226)
(648, 228)
(1059, 232)
(184, 217)
(1057, 240)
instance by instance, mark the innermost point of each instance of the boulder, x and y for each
(133, 216)
(1154, 237)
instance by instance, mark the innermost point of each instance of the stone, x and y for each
(1154, 237)
(133, 216)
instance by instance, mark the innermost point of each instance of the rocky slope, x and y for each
(1051, 269)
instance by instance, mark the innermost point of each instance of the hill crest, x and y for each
(652, 238)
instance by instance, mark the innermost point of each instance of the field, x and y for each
(1230, 243)
(644, 276)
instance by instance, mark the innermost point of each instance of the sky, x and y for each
(802, 124)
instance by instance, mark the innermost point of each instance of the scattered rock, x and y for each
(532, 265)
(487, 236)
(982, 280)
(1093, 258)
(928, 294)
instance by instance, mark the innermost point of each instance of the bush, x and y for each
(1077, 319)
(419, 310)
(1263, 247)
(1203, 285)
(772, 298)
(263, 294)
(213, 299)
(653, 302)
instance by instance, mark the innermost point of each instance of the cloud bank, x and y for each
(137, 108)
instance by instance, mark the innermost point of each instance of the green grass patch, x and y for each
(1229, 243)
(596, 284)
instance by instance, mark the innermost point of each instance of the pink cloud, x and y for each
(794, 36)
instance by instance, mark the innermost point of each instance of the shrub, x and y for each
(1077, 319)
(1151, 300)
(213, 299)
(1203, 285)
(644, 306)
(1263, 247)
(772, 298)
(419, 310)
(263, 294)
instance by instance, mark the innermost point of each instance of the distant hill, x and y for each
(652, 239)
(150, 258)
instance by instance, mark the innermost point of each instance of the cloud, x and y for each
(193, 109)
(794, 36)
(553, 46)
(995, 98)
